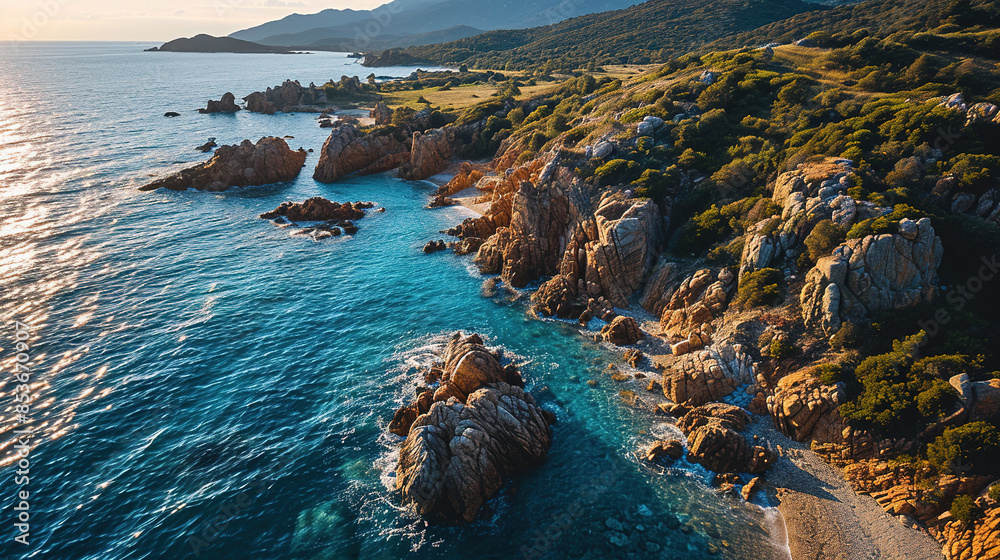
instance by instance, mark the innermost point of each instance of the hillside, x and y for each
(321, 39)
(394, 24)
(649, 32)
(209, 44)
(876, 17)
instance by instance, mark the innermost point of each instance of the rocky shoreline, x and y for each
(761, 338)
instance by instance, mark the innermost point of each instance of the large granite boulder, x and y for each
(430, 154)
(622, 331)
(381, 113)
(707, 375)
(476, 430)
(225, 105)
(807, 410)
(715, 441)
(268, 161)
(348, 151)
(699, 300)
(875, 273)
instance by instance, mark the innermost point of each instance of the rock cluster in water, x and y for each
(467, 432)
(336, 218)
(268, 161)
(288, 97)
(225, 105)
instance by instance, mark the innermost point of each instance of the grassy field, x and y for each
(457, 97)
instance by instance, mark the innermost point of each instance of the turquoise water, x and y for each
(208, 382)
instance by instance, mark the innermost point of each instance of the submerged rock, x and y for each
(464, 439)
(268, 161)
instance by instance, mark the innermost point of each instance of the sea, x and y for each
(206, 384)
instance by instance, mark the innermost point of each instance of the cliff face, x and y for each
(268, 161)
(348, 151)
(875, 273)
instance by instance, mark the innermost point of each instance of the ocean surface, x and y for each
(208, 385)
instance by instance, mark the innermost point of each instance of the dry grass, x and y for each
(458, 97)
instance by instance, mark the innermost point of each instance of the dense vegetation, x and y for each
(651, 32)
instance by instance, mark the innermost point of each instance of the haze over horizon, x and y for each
(154, 21)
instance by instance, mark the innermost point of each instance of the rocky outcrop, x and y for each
(542, 213)
(287, 97)
(435, 246)
(660, 287)
(391, 57)
(980, 400)
(348, 151)
(622, 331)
(875, 273)
(806, 410)
(257, 102)
(430, 154)
(951, 197)
(807, 195)
(475, 431)
(698, 301)
(979, 540)
(268, 161)
(715, 442)
(707, 375)
(608, 256)
(381, 113)
(225, 105)
(318, 209)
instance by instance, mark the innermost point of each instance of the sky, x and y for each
(147, 20)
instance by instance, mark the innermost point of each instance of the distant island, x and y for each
(209, 44)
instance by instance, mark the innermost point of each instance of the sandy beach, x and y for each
(825, 518)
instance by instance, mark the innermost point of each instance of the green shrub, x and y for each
(849, 336)
(828, 374)
(887, 401)
(937, 400)
(780, 349)
(618, 171)
(974, 448)
(759, 288)
(964, 509)
(824, 238)
(995, 492)
(727, 253)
